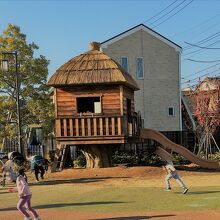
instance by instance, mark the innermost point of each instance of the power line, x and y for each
(174, 14)
(209, 67)
(198, 25)
(196, 84)
(190, 80)
(211, 37)
(168, 12)
(209, 48)
(197, 51)
(160, 12)
(203, 61)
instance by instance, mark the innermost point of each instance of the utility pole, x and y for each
(5, 67)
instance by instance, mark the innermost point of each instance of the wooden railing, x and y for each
(95, 126)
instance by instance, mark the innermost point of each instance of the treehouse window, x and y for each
(88, 105)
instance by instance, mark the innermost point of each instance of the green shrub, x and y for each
(216, 156)
(178, 159)
(124, 158)
(144, 159)
(80, 161)
(151, 160)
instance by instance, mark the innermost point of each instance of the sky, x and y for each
(63, 28)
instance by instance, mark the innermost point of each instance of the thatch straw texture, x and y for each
(92, 67)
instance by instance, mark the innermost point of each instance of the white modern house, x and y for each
(154, 62)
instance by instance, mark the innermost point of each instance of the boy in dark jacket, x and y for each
(37, 164)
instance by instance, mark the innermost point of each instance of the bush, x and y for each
(80, 161)
(178, 160)
(151, 160)
(216, 156)
(144, 159)
(124, 158)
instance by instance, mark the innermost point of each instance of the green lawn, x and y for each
(91, 197)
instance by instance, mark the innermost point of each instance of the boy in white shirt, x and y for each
(172, 173)
(8, 169)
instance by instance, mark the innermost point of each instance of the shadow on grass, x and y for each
(135, 217)
(61, 205)
(196, 169)
(4, 192)
(70, 181)
(204, 192)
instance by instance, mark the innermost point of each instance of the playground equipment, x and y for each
(94, 106)
(167, 144)
(94, 110)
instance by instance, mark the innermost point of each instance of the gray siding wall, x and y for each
(160, 88)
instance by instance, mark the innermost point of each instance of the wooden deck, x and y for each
(95, 129)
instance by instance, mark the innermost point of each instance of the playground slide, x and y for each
(166, 143)
(163, 154)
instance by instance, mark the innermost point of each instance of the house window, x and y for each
(124, 63)
(171, 112)
(140, 67)
(88, 105)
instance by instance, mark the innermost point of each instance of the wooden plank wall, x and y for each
(128, 94)
(66, 99)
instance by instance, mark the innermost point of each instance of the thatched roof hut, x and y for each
(91, 68)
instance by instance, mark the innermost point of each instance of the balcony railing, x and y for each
(96, 126)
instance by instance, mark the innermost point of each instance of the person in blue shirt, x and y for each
(37, 164)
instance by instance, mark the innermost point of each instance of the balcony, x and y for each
(94, 129)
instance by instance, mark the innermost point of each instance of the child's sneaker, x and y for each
(38, 218)
(27, 218)
(185, 191)
(168, 189)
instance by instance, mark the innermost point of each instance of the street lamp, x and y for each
(5, 67)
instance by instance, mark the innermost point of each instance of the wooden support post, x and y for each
(95, 126)
(63, 158)
(101, 126)
(71, 127)
(113, 125)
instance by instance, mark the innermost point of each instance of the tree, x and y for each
(35, 102)
(207, 104)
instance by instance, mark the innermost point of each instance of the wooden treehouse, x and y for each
(94, 105)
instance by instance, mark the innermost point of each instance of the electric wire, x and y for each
(203, 61)
(208, 48)
(174, 14)
(207, 39)
(190, 80)
(160, 12)
(198, 51)
(168, 12)
(202, 70)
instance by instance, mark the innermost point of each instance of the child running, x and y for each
(172, 173)
(25, 196)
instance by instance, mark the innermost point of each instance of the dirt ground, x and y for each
(134, 176)
(138, 176)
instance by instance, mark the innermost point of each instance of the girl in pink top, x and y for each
(25, 196)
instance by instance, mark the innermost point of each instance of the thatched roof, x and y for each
(91, 68)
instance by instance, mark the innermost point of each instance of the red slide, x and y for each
(166, 143)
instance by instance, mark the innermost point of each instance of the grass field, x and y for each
(120, 195)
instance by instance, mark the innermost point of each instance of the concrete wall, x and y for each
(160, 88)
